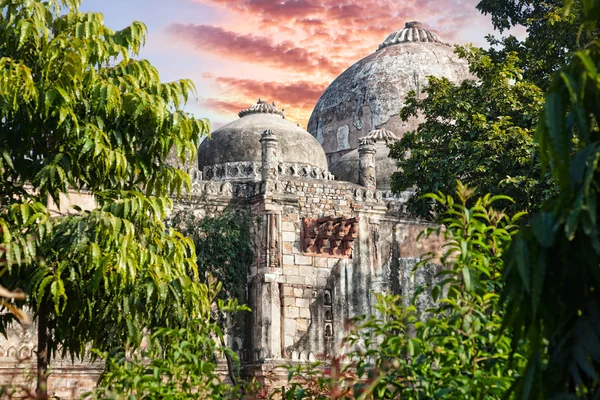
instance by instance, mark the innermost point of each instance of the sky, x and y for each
(282, 51)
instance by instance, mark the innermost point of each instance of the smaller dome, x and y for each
(239, 141)
(412, 32)
(347, 167)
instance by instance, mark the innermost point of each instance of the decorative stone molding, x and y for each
(329, 236)
(212, 188)
(239, 171)
(368, 196)
(250, 171)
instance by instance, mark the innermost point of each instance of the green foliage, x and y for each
(78, 112)
(224, 247)
(480, 132)
(177, 363)
(457, 350)
(553, 30)
(552, 277)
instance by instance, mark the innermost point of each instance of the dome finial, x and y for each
(380, 135)
(414, 24)
(413, 32)
(262, 107)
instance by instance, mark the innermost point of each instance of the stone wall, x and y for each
(67, 380)
(302, 300)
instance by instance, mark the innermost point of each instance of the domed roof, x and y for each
(412, 32)
(346, 168)
(239, 141)
(372, 92)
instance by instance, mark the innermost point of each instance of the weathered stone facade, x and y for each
(370, 94)
(323, 246)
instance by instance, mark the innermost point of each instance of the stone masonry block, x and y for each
(323, 272)
(295, 280)
(290, 326)
(320, 261)
(303, 260)
(289, 301)
(307, 270)
(310, 281)
(305, 313)
(289, 236)
(331, 262)
(293, 217)
(289, 341)
(302, 303)
(302, 324)
(288, 260)
(290, 270)
(298, 292)
(292, 312)
(288, 247)
(288, 227)
(288, 291)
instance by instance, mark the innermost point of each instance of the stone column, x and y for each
(270, 155)
(367, 176)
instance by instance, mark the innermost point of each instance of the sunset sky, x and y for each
(286, 51)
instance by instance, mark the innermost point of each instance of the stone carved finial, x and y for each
(381, 135)
(367, 175)
(414, 24)
(270, 155)
(261, 107)
(413, 32)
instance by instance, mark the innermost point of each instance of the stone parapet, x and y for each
(250, 171)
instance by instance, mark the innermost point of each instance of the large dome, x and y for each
(239, 141)
(370, 94)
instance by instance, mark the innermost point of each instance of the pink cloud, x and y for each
(252, 48)
(309, 42)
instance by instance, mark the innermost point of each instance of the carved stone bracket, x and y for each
(329, 236)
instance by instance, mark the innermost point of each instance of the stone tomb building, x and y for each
(328, 231)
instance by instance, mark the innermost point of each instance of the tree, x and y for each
(178, 363)
(224, 250)
(458, 350)
(79, 112)
(552, 276)
(480, 132)
(552, 34)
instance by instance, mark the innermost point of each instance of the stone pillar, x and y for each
(270, 155)
(367, 176)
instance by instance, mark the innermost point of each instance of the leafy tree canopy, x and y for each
(552, 280)
(78, 112)
(177, 363)
(480, 132)
(552, 26)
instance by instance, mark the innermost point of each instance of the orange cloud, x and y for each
(297, 98)
(253, 49)
(309, 42)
